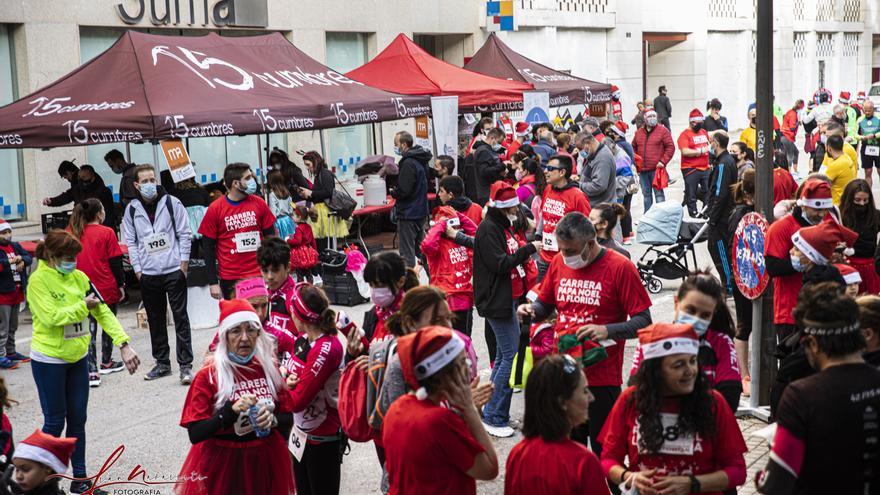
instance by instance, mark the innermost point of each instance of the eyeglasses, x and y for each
(550, 168)
(252, 331)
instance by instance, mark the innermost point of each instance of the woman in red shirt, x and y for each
(679, 435)
(434, 440)
(547, 460)
(101, 260)
(229, 453)
(317, 443)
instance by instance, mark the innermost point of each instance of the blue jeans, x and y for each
(497, 411)
(646, 179)
(64, 397)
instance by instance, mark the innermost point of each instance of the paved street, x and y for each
(143, 416)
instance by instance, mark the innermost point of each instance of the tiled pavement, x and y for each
(756, 458)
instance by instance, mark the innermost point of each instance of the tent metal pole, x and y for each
(323, 151)
(155, 143)
(260, 161)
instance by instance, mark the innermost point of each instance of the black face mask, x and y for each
(86, 185)
(697, 127)
(4, 241)
(860, 208)
(432, 174)
(753, 120)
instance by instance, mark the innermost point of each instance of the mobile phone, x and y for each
(453, 222)
(94, 290)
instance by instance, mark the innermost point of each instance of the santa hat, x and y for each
(861, 96)
(251, 287)
(816, 194)
(50, 451)
(663, 339)
(4, 226)
(236, 312)
(650, 112)
(503, 196)
(424, 353)
(695, 116)
(844, 97)
(850, 275)
(620, 128)
(819, 242)
(523, 129)
(615, 91)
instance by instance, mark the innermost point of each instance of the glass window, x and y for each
(347, 145)
(11, 197)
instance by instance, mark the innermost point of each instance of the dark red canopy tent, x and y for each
(404, 67)
(496, 59)
(158, 87)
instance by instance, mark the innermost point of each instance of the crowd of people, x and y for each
(532, 232)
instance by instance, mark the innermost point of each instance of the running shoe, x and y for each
(7, 364)
(17, 356)
(515, 424)
(628, 240)
(81, 487)
(498, 431)
(111, 367)
(94, 379)
(158, 371)
(186, 376)
(747, 386)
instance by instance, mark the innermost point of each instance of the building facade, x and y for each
(698, 49)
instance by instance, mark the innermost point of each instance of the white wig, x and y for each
(226, 370)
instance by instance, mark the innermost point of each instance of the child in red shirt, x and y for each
(14, 261)
(303, 247)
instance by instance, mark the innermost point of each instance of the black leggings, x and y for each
(626, 223)
(319, 471)
(463, 321)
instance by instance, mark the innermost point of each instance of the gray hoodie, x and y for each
(138, 232)
(598, 176)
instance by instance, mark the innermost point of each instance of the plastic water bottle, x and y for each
(253, 412)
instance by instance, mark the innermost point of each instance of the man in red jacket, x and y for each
(654, 144)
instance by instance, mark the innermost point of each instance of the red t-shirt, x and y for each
(784, 185)
(200, 398)
(722, 367)
(100, 244)
(16, 296)
(555, 204)
(428, 449)
(695, 141)
(680, 455)
(536, 466)
(237, 228)
(608, 290)
(787, 287)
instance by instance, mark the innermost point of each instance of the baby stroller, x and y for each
(671, 240)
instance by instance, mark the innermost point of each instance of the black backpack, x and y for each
(468, 173)
(168, 206)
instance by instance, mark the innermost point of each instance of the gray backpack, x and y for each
(380, 353)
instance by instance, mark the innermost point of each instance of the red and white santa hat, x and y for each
(663, 339)
(844, 97)
(819, 242)
(695, 116)
(4, 226)
(522, 129)
(816, 194)
(50, 451)
(850, 275)
(615, 91)
(650, 112)
(620, 128)
(236, 312)
(503, 196)
(861, 97)
(424, 353)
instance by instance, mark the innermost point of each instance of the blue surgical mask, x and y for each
(149, 191)
(496, 147)
(584, 154)
(797, 265)
(66, 267)
(823, 138)
(250, 187)
(235, 358)
(397, 151)
(700, 325)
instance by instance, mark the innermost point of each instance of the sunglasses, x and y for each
(570, 365)
(550, 168)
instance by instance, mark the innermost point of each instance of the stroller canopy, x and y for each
(659, 226)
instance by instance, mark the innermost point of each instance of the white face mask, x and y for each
(511, 217)
(577, 261)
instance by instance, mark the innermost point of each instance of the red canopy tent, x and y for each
(496, 59)
(158, 87)
(404, 67)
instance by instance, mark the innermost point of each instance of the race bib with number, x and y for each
(16, 277)
(243, 424)
(674, 441)
(872, 150)
(247, 242)
(157, 243)
(521, 271)
(297, 443)
(549, 242)
(76, 330)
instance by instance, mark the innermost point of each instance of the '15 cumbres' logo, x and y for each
(45, 106)
(598, 97)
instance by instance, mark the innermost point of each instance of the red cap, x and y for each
(522, 129)
(50, 451)
(663, 339)
(424, 353)
(235, 312)
(502, 195)
(845, 96)
(816, 194)
(695, 116)
(818, 242)
(850, 275)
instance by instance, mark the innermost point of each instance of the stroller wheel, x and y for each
(654, 285)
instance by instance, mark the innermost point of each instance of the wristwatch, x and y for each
(695, 485)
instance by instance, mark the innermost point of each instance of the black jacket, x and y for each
(663, 107)
(7, 282)
(322, 188)
(493, 292)
(460, 204)
(489, 169)
(722, 177)
(412, 184)
(80, 191)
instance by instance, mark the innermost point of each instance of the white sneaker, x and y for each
(498, 431)
(94, 380)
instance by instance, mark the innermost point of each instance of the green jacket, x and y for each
(56, 302)
(852, 124)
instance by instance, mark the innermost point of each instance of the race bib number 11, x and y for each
(76, 330)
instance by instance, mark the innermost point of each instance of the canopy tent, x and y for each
(496, 59)
(404, 67)
(147, 87)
